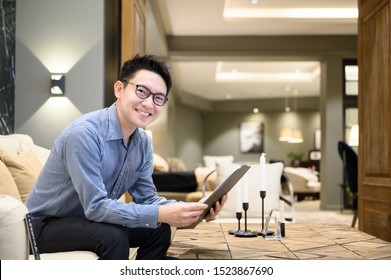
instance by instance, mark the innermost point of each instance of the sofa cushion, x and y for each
(160, 164)
(176, 164)
(10, 145)
(211, 161)
(12, 142)
(24, 168)
(41, 153)
(7, 183)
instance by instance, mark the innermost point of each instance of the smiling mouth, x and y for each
(146, 114)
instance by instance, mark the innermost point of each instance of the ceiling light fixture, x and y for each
(254, 72)
(320, 13)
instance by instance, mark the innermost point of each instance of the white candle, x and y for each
(244, 181)
(282, 216)
(263, 171)
(238, 197)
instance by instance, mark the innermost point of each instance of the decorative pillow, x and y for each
(40, 152)
(175, 164)
(24, 168)
(273, 189)
(7, 183)
(160, 164)
(211, 161)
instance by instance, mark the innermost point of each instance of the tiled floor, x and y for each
(309, 211)
(302, 241)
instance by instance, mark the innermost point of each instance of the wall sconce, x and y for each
(57, 86)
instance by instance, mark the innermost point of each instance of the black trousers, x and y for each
(108, 241)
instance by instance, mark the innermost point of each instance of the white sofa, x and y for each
(20, 163)
(305, 182)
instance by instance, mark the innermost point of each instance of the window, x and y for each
(350, 103)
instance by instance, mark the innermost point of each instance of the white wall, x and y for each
(56, 36)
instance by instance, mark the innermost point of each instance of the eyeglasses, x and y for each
(141, 91)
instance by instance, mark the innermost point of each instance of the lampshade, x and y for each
(291, 135)
(297, 137)
(353, 137)
(285, 134)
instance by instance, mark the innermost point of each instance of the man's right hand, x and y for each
(180, 214)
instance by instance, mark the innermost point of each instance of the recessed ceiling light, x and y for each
(255, 110)
(292, 13)
(266, 72)
(236, 9)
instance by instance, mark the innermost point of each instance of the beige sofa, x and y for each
(20, 164)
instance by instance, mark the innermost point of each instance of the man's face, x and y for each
(134, 111)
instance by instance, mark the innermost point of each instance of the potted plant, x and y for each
(295, 158)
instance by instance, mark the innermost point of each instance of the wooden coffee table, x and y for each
(302, 241)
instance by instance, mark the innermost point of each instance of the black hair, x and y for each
(145, 62)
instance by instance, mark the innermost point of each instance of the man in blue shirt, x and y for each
(98, 158)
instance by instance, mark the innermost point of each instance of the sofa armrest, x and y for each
(13, 234)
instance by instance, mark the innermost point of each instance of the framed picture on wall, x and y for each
(252, 137)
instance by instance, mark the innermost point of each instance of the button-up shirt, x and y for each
(90, 167)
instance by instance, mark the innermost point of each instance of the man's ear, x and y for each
(118, 88)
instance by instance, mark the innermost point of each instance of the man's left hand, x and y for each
(216, 208)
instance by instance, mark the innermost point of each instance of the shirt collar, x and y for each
(114, 128)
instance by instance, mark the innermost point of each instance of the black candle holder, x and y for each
(246, 232)
(239, 217)
(262, 233)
